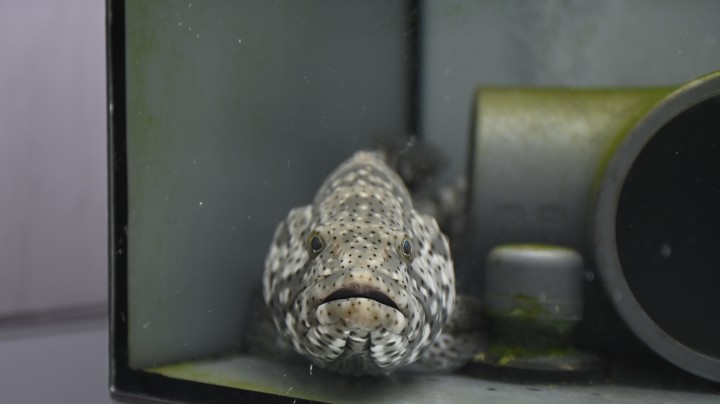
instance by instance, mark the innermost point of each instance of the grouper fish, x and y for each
(359, 282)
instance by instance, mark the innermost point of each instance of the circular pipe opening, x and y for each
(657, 228)
(668, 228)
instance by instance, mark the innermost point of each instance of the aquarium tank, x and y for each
(414, 200)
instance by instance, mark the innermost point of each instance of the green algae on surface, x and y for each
(244, 373)
(502, 354)
(526, 308)
(526, 328)
(644, 100)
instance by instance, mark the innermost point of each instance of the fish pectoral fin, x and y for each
(462, 337)
(451, 352)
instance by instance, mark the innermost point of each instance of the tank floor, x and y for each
(299, 379)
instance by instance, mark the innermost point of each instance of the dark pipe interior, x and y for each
(668, 228)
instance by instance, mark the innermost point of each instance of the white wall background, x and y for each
(52, 155)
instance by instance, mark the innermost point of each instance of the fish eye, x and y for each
(406, 248)
(315, 244)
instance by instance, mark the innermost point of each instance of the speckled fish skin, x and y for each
(366, 302)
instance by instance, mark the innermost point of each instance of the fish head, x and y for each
(360, 298)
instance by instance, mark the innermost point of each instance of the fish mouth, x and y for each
(361, 307)
(364, 292)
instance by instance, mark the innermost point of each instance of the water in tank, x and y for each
(414, 201)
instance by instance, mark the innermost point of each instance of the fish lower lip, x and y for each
(348, 293)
